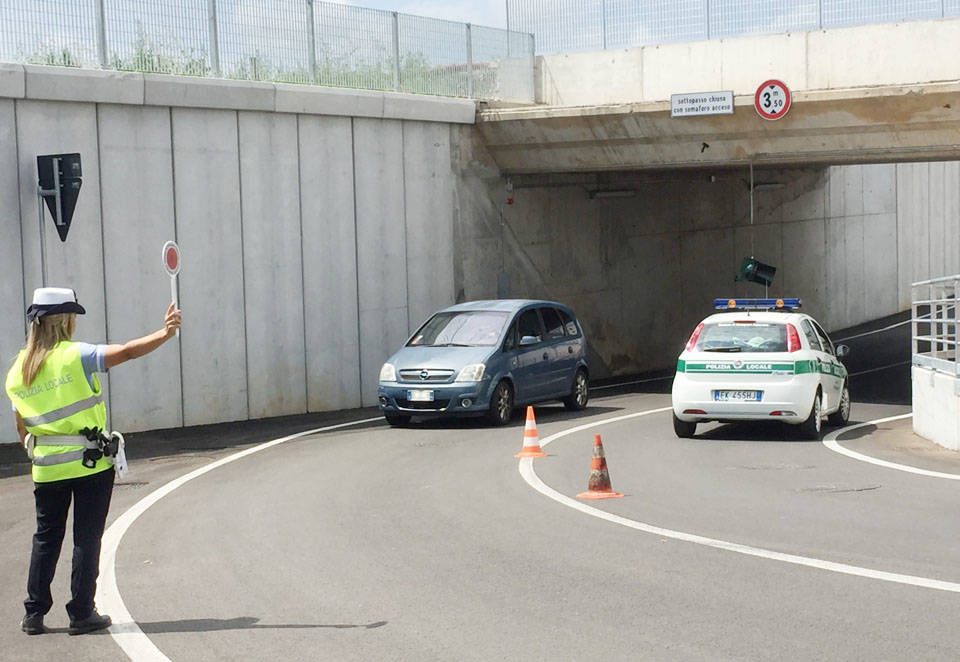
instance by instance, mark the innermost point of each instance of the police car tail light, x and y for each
(694, 336)
(793, 338)
(694, 411)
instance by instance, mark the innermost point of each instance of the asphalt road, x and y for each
(426, 543)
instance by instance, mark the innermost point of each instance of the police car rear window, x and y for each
(742, 337)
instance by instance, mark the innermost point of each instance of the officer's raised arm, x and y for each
(132, 349)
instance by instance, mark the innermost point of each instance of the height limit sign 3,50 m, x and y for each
(772, 100)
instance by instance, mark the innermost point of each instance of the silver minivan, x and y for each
(484, 358)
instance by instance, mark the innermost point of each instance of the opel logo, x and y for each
(424, 374)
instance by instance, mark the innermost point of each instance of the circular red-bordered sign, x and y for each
(772, 99)
(171, 258)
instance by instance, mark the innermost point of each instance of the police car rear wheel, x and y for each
(684, 429)
(810, 428)
(842, 415)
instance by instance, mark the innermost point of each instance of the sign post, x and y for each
(171, 263)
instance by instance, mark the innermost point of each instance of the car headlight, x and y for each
(388, 373)
(471, 373)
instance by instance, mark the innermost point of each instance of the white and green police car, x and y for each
(760, 359)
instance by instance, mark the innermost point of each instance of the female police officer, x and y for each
(61, 420)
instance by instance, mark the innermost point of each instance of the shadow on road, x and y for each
(243, 623)
(758, 431)
(543, 413)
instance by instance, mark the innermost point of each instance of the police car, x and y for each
(760, 359)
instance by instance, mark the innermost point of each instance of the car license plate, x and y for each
(420, 395)
(751, 396)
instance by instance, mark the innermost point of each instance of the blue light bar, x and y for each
(756, 304)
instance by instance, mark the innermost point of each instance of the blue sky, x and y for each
(491, 13)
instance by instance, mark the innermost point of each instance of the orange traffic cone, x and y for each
(598, 487)
(531, 442)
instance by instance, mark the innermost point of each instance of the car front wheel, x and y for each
(397, 420)
(580, 393)
(810, 428)
(501, 404)
(840, 417)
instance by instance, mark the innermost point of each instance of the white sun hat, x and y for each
(51, 300)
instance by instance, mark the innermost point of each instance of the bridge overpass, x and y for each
(866, 94)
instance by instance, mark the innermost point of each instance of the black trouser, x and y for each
(91, 501)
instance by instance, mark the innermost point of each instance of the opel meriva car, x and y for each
(484, 358)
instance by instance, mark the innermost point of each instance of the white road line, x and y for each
(830, 441)
(529, 475)
(125, 630)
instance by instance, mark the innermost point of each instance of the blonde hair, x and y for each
(44, 334)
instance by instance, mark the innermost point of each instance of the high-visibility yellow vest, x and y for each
(59, 401)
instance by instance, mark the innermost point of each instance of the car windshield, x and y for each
(478, 328)
(742, 337)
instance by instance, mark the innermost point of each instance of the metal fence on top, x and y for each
(295, 41)
(561, 26)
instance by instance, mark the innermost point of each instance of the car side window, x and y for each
(510, 342)
(811, 335)
(568, 323)
(529, 325)
(824, 339)
(553, 323)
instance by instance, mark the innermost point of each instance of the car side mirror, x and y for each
(842, 350)
(529, 340)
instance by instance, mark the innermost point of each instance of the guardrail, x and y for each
(293, 41)
(934, 323)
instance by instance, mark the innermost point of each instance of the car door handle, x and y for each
(569, 349)
(545, 356)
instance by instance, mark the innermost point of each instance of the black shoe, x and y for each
(33, 624)
(91, 623)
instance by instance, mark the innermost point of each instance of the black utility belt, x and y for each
(107, 446)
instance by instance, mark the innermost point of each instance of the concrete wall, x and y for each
(642, 270)
(315, 227)
(817, 60)
(936, 406)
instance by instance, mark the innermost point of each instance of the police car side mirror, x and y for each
(842, 350)
(529, 340)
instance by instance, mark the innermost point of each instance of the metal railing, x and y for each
(294, 41)
(579, 25)
(935, 320)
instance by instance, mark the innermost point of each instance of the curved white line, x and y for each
(529, 475)
(125, 630)
(830, 441)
